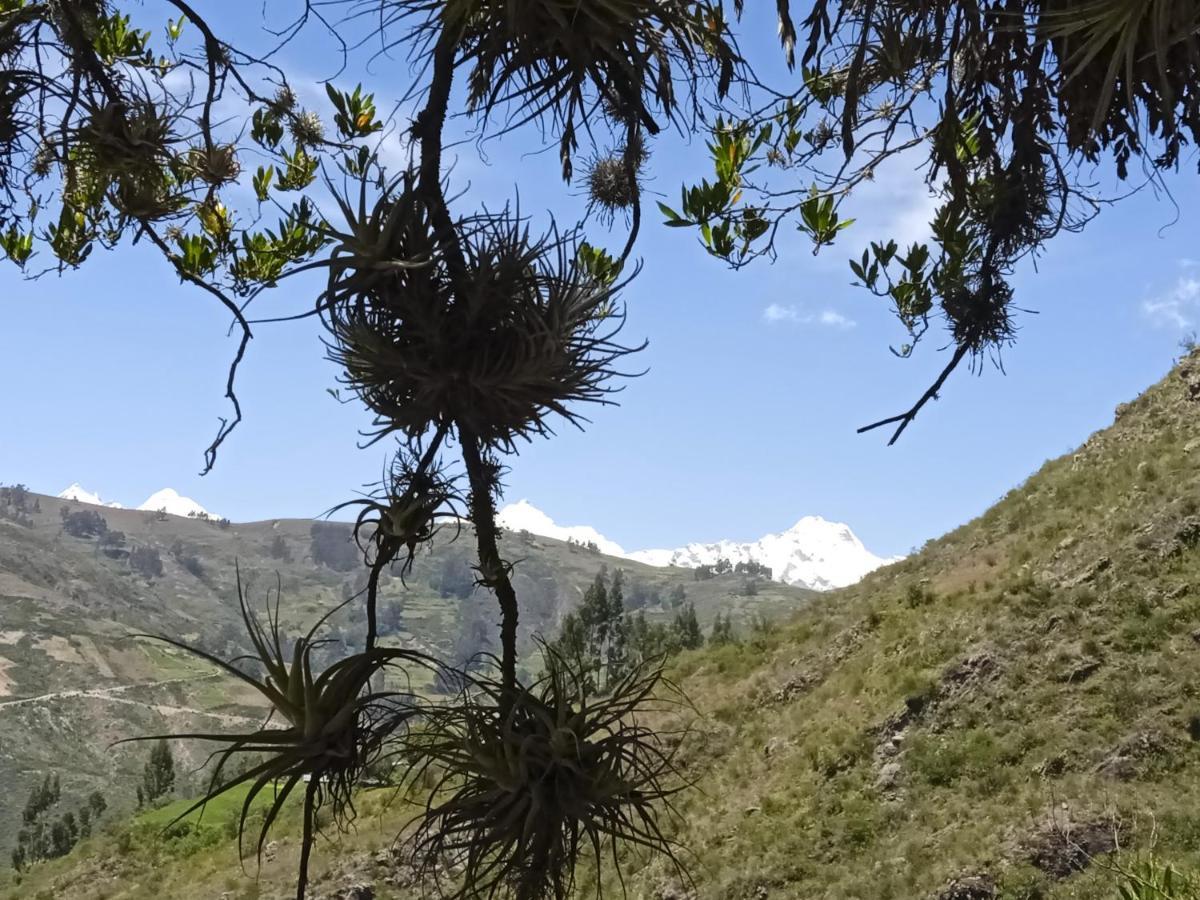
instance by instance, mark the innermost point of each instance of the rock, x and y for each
(1187, 535)
(774, 745)
(1129, 759)
(1082, 670)
(270, 851)
(793, 687)
(969, 887)
(1090, 573)
(357, 892)
(673, 890)
(889, 776)
(973, 668)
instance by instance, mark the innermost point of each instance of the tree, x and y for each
(112, 544)
(462, 330)
(158, 774)
(84, 523)
(677, 596)
(722, 631)
(279, 549)
(687, 628)
(1008, 110)
(333, 546)
(146, 562)
(97, 804)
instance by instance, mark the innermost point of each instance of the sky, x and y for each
(743, 422)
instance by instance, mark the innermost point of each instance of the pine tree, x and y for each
(722, 631)
(687, 628)
(158, 776)
(97, 804)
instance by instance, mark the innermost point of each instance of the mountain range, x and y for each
(814, 553)
(167, 500)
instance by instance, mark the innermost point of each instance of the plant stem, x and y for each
(306, 843)
(377, 567)
(493, 571)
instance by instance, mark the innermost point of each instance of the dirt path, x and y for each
(113, 695)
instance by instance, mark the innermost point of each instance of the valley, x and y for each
(1008, 713)
(79, 669)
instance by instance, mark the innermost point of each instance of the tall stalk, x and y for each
(493, 571)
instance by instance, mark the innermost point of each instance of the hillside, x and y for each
(988, 718)
(74, 678)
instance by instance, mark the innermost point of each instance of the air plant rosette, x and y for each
(336, 724)
(492, 338)
(562, 59)
(533, 780)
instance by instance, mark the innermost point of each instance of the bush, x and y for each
(333, 546)
(85, 523)
(146, 562)
(186, 558)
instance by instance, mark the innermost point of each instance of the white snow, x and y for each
(80, 493)
(524, 516)
(813, 553)
(170, 500)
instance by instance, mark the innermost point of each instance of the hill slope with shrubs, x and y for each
(80, 584)
(1013, 712)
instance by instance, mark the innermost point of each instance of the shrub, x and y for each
(85, 523)
(146, 562)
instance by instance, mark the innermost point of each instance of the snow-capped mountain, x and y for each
(173, 503)
(168, 499)
(83, 495)
(813, 553)
(524, 516)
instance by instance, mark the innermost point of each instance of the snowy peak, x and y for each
(524, 516)
(173, 503)
(79, 493)
(813, 553)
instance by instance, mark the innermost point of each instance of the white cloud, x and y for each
(829, 318)
(777, 313)
(835, 319)
(1178, 306)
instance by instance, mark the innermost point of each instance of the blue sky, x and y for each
(744, 422)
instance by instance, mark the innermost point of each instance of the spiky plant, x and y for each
(562, 59)
(613, 182)
(536, 779)
(404, 513)
(495, 342)
(1122, 58)
(335, 724)
(307, 128)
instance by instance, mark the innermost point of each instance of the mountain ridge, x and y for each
(814, 553)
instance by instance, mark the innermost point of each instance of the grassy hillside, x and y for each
(74, 677)
(989, 718)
